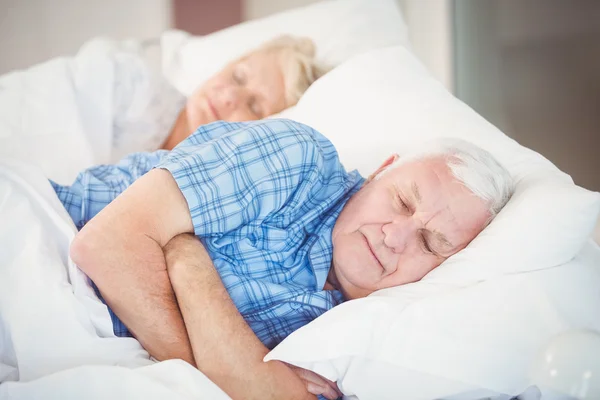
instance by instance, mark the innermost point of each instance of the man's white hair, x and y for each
(471, 165)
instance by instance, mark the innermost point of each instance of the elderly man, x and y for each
(285, 233)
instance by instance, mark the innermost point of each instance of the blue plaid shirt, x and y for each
(264, 197)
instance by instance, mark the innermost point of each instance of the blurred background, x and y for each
(531, 67)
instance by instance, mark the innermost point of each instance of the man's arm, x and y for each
(121, 251)
(224, 346)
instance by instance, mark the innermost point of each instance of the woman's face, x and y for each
(248, 89)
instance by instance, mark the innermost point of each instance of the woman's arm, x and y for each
(224, 346)
(120, 249)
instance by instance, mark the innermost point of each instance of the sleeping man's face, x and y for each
(399, 227)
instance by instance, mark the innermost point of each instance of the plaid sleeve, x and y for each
(97, 186)
(243, 174)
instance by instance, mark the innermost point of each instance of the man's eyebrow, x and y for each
(416, 193)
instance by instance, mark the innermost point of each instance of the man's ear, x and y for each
(389, 161)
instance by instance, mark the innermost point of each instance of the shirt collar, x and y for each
(320, 252)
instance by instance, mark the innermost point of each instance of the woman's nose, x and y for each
(397, 234)
(230, 96)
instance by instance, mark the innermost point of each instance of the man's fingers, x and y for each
(320, 381)
(314, 388)
(316, 384)
(325, 391)
(331, 394)
(335, 388)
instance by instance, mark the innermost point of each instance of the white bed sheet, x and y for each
(173, 379)
(56, 337)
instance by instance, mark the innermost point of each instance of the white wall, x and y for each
(527, 21)
(531, 68)
(259, 8)
(477, 60)
(32, 31)
(430, 30)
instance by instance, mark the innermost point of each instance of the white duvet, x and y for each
(69, 113)
(56, 337)
(58, 114)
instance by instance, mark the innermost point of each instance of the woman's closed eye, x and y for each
(239, 77)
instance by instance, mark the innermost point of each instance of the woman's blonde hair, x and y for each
(298, 64)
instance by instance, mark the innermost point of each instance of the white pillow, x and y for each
(339, 28)
(403, 345)
(380, 102)
(478, 319)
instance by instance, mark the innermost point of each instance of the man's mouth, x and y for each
(372, 251)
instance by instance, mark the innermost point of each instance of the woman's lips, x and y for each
(213, 110)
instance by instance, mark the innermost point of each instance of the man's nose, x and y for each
(398, 233)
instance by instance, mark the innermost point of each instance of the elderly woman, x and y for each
(263, 82)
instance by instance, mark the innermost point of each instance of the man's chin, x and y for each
(350, 291)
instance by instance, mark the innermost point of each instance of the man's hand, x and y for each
(316, 384)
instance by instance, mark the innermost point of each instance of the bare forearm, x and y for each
(121, 252)
(142, 297)
(224, 346)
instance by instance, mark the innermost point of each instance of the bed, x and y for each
(472, 328)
